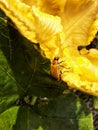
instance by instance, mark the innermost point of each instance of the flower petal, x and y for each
(80, 21)
(31, 22)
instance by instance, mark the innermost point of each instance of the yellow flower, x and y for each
(60, 26)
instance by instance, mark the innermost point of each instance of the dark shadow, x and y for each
(31, 70)
(58, 114)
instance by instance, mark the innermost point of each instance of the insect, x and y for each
(55, 69)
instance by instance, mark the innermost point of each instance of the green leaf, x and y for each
(8, 85)
(27, 119)
(65, 112)
(95, 102)
(40, 128)
(8, 118)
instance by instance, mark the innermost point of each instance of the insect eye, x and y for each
(56, 58)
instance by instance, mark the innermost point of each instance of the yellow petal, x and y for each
(47, 25)
(76, 82)
(90, 72)
(31, 22)
(29, 2)
(54, 7)
(80, 21)
(93, 29)
(21, 15)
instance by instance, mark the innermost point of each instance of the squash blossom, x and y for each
(60, 27)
